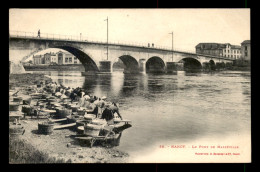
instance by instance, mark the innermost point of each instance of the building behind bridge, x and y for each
(245, 59)
(38, 59)
(59, 58)
(49, 58)
(246, 50)
(67, 58)
(223, 50)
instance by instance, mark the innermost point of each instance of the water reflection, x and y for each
(177, 108)
(89, 83)
(155, 83)
(130, 85)
(117, 82)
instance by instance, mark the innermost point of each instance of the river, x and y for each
(187, 108)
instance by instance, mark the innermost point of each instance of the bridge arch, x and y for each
(86, 60)
(191, 64)
(155, 64)
(130, 64)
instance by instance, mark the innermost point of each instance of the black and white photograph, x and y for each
(129, 85)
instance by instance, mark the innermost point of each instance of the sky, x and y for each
(189, 26)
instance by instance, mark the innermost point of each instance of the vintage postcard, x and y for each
(129, 86)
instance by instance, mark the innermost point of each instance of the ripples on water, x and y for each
(177, 108)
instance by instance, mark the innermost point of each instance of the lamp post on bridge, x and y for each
(172, 44)
(105, 65)
(107, 36)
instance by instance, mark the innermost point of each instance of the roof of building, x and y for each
(246, 42)
(59, 52)
(37, 56)
(227, 43)
(236, 46)
(66, 53)
(211, 45)
(52, 54)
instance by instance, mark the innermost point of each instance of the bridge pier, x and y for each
(220, 65)
(142, 65)
(205, 66)
(171, 67)
(105, 67)
(179, 66)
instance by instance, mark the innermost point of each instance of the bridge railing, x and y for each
(44, 36)
(78, 38)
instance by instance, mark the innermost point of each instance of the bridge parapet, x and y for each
(84, 39)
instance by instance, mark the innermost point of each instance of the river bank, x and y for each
(59, 145)
(55, 67)
(26, 79)
(239, 68)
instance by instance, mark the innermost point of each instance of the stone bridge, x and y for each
(93, 55)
